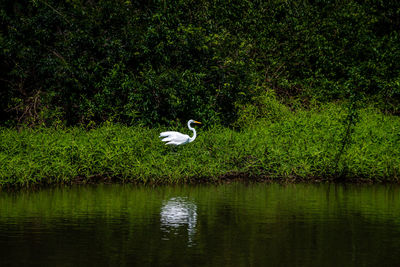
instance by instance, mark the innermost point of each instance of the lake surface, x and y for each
(213, 225)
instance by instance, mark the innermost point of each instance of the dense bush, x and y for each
(84, 62)
(306, 144)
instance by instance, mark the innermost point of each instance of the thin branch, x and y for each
(56, 11)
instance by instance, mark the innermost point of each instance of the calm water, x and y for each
(226, 225)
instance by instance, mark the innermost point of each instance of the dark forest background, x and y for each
(143, 62)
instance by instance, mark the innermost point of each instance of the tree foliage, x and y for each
(85, 62)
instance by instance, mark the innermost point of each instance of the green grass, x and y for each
(303, 144)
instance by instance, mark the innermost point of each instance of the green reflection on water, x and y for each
(231, 224)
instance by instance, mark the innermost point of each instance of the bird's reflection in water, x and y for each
(176, 214)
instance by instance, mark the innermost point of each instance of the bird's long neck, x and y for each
(191, 139)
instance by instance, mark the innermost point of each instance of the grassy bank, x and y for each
(305, 144)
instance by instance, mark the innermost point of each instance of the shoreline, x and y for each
(196, 181)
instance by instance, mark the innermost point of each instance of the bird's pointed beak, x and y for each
(197, 122)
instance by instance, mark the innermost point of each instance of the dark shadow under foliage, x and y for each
(86, 62)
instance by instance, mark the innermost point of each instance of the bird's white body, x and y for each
(177, 138)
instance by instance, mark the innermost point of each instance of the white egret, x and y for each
(177, 138)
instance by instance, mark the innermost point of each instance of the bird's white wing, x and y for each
(164, 134)
(174, 138)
